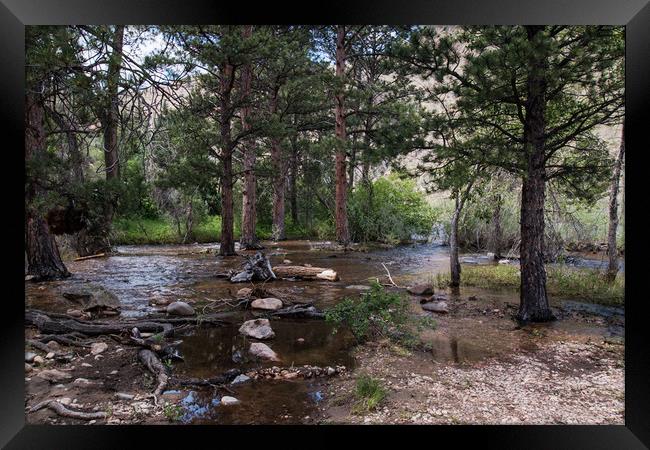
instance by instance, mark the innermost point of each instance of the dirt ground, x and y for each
(559, 373)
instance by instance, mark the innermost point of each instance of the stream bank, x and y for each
(475, 341)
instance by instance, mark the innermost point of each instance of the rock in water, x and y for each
(180, 309)
(227, 400)
(421, 289)
(439, 307)
(271, 304)
(263, 351)
(258, 329)
(93, 298)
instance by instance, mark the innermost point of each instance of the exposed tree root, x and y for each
(151, 361)
(61, 410)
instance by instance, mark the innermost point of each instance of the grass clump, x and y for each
(369, 392)
(567, 282)
(172, 412)
(379, 314)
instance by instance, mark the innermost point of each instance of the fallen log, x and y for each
(61, 410)
(156, 367)
(50, 325)
(98, 255)
(306, 273)
(299, 311)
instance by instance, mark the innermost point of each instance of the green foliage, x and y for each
(369, 392)
(381, 314)
(160, 231)
(172, 412)
(562, 281)
(389, 211)
(376, 313)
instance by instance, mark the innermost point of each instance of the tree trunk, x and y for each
(612, 250)
(279, 177)
(227, 245)
(497, 238)
(111, 113)
(453, 245)
(248, 240)
(341, 216)
(43, 259)
(534, 304)
(293, 179)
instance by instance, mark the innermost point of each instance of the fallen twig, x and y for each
(389, 277)
(98, 255)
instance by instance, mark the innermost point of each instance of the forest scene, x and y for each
(336, 224)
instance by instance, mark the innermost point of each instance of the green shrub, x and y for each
(381, 314)
(391, 211)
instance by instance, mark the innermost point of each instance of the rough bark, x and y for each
(453, 245)
(63, 411)
(534, 305)
(305, 273)
(110, 121)
(612, 250)
(151, 361)
(227, 244)
(279, 178)
(341, 216)
(293, 178)
(497, 238)
(43, 258)
(248, 240)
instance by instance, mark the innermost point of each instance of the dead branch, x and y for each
(98, 255)
(389, 277)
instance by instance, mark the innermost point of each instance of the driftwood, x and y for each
(256, 268)
(98, 255)
(217, 380)
(48, 324)
(389, 277)
(306, 273)
(61, 410)
(153, 364)
(299, 311)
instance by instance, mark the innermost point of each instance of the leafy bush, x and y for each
(376, 313)
(391, 210)
(380, 314)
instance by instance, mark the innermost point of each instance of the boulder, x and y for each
(439, 307)
(421, 289)
(93, 298)
(263, 351)
(258, 329)
(180, 309)
(434, 298)
(227, 400)
(504, 261)
(271, 304)
(53, 375)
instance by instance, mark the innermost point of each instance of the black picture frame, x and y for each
(15, 14)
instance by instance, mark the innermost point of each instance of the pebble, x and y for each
(49, 355)
(81, 381)
(226, 400)
(240, 379)
(39, 360)
(29, 357)
(98, 347)
(86, 364)
(301, 340)
(124, 396)
(65, 400)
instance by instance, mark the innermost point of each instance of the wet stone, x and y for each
(258, 329)
(180, 309)
(263, 351)
(227, 400)
(421, 289)
(270, 304)
(438, 307)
